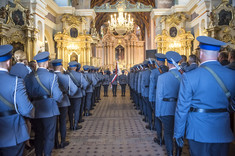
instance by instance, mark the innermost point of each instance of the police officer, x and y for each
(202, 104)
(114, 83)
(67, 87)
(123, 81)
(43, 88)
(90, 89)
(106, 83)
(145, 93)
(100, 75)
(166, 98)
(76, 100)
(135, 83)
(138, 87)
(14, 104)
(155, 72)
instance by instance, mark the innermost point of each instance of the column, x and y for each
(133, 53)
(129, 53)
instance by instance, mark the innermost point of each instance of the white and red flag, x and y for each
(116, 73)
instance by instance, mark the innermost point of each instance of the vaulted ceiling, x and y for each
(100, 2)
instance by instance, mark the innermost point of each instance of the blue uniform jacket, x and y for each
(139, 82)
(93, 81)
(190, 67)
(153, 82)
(122, 79)
(106, 80)
(67, 87)
(167, 87)
(82, 81)
(111, 78)
(145, 83)
(44, 108)
(136, 81)
(20, 70)
(13, 129)
(199, 89)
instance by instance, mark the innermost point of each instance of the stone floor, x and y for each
(114, 129)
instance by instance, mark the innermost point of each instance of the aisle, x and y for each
(114, 129)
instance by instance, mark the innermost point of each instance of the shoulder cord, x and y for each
(176, 76)
(15, 95)
(53, 83)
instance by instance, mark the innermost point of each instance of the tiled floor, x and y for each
(114, 129)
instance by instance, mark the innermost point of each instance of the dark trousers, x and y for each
(96, 93)
(158, 126)
(114, 90)
(168, 124)
(61, 124)
(88, 101)
(208, 149)
(123, 88)
(13, 150)
(105, 90)
(148, 110)
(74, 111)
(99, 88)
(140, 101)
(44, 129)
(82, 107)
(93, 99)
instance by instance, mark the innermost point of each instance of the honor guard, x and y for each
(166, 98)
(123, 81)
(139, 106)
(90, 89)
(76, 100)
(114, 83)
(106, 83)
(43, 89)
(145, 93)
(138, 87)
(67, 87)
(101, 77)
(202, 107)
(14, 104)
(158, 69)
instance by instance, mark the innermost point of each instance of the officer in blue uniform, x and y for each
(137, 102)
(123, 81)
(100, 76)
(67, 87)
(90, 89)
(106, 83)
(166, 98)
(13, 131)
(160, 60)
(114, 84)
(76, 100)
(43, 89)
(202, 107)
(141, 100)
(145, 93)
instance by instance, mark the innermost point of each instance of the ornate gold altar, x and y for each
(222, 23)
(74, 44)
(174, 37)
(17, 28)
(126, 49)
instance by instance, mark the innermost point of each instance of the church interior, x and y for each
(101, 33)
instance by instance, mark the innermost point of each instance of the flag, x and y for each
(116, 73)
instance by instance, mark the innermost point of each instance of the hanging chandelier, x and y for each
(123, 23)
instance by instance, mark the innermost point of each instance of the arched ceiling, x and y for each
(100, 2)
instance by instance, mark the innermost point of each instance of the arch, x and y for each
(74, 54)
(40, 28)
(50, 41)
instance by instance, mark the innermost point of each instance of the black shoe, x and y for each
(92, 108)
(148, 127)
(64, 144)
(158, 141)
(80, 121)
(144, 119)
(99, 98)
(57, 145)
(140, 113)
(77, 127)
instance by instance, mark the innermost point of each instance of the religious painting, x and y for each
(17, 17)
(16, 47)
(74, 32)
(173, 32)
(225, 17)
(119, 53)
(74, 57)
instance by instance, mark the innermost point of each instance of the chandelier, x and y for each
(123, 23)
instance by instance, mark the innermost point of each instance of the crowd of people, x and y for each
(186, 100)
(173, 99)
